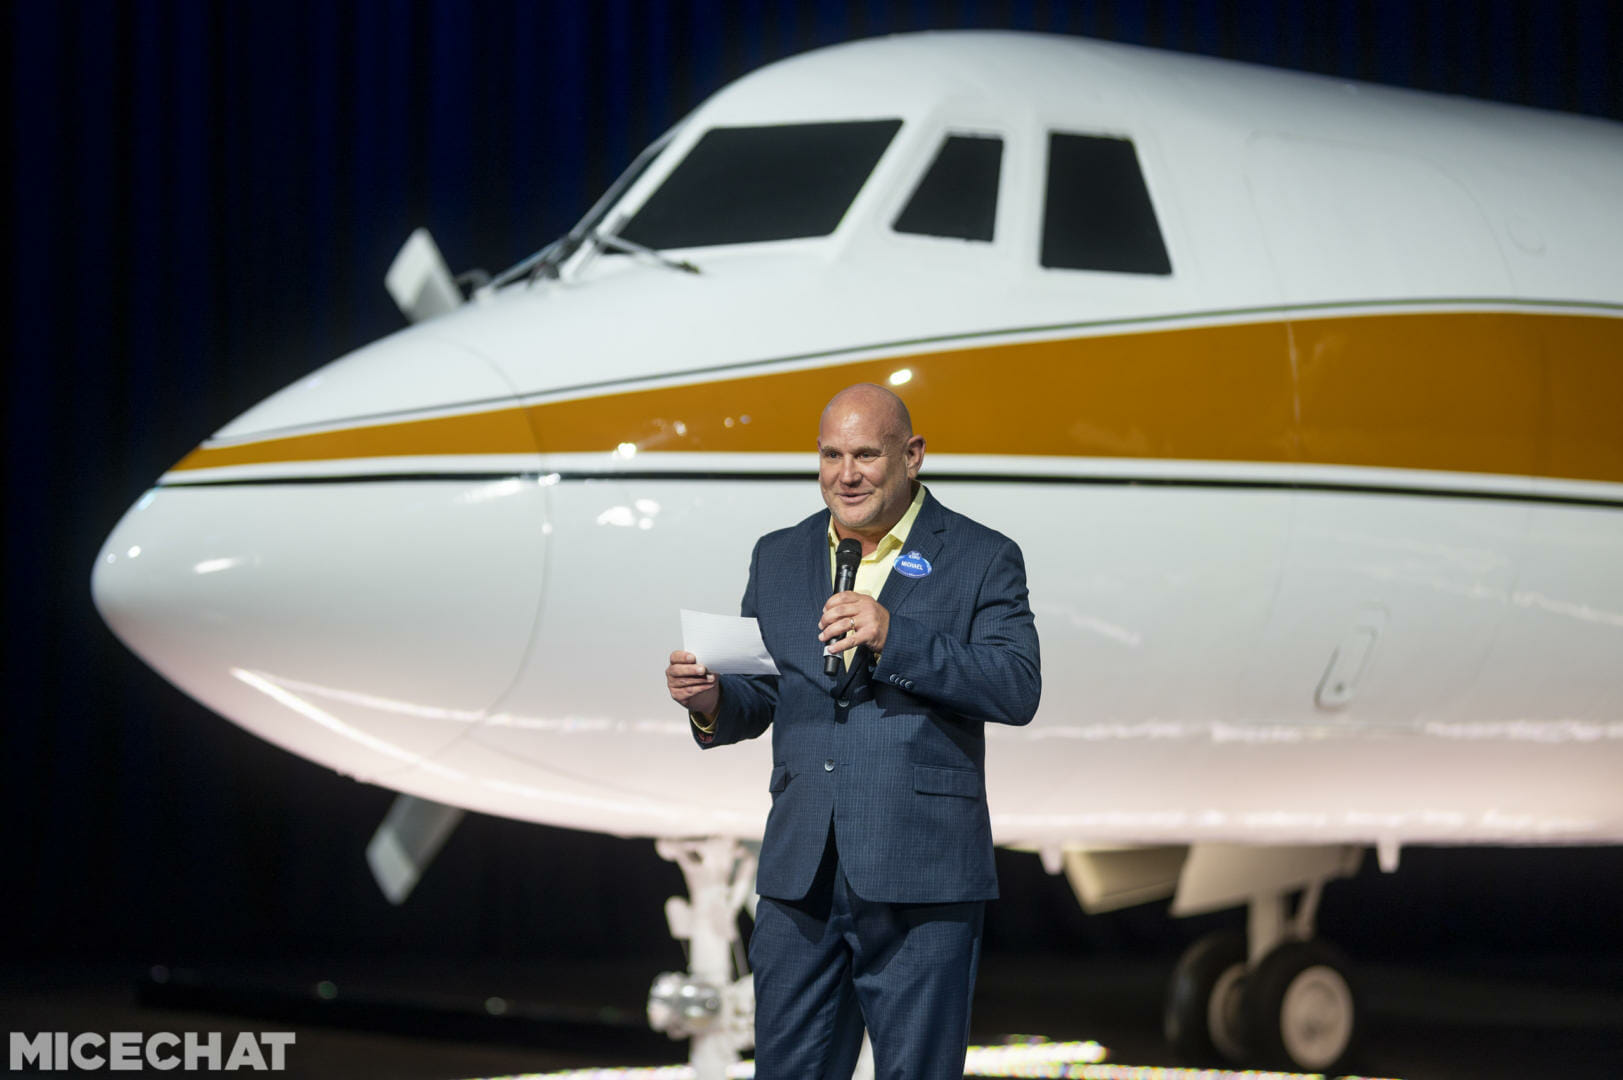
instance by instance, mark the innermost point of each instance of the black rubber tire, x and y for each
(1184, 1020)
(1264, 1003)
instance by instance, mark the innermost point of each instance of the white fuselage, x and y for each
(1293, 584)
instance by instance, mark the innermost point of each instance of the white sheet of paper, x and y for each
(726, 644)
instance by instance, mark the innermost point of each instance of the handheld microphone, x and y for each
(846, 557)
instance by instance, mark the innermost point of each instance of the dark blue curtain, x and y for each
(204, 197)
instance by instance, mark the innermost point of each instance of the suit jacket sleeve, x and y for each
(993, 676)
(747, 701)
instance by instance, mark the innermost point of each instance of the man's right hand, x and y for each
(691, 686)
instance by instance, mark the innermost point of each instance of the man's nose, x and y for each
(849, 473)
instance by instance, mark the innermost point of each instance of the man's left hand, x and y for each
(855, 619)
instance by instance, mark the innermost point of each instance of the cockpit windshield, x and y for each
(742, 185)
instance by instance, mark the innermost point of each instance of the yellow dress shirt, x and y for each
(872, 572)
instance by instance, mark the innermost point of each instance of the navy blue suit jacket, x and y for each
(892, 751)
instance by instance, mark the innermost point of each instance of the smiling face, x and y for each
(868, 458)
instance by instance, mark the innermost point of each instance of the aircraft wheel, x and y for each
(1204, 1016)
(1299, 1007)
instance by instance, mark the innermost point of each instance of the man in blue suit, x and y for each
(877, 858)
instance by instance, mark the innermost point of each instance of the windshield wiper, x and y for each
(607, 239)
(547, 262)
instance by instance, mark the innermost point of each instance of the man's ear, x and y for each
(915, 455)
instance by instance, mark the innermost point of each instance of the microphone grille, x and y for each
(849, 553)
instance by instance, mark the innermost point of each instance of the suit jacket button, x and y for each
(843, 702)
(828, 766)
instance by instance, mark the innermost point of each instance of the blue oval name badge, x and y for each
(913, 565)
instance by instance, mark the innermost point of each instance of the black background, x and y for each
(204, 198)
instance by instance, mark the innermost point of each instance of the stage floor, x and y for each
(1478, 1020)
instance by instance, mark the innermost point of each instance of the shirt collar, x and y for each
(898, 532)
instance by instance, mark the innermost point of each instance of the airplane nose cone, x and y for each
(365, 625)
(120, 585)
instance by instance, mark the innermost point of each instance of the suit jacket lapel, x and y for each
(925, 537)
(819, 576)
(847, 677)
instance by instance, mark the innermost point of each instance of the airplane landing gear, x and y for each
(1288, 1003)
(1204, 1018)
(1299, 1007)
(713, 1002)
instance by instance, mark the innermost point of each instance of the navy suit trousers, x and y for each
(832, 962)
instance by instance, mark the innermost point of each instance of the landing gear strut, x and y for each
(713, 1002)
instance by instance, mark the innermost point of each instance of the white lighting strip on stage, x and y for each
(1080, 1060)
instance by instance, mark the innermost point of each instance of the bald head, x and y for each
(875, 402)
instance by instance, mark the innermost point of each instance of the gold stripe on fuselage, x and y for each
(1511, 393)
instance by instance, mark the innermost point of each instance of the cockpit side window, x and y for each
(743, 185)
(1098, 214)
(958, 195)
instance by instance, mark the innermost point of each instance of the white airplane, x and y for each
(1302, 397)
